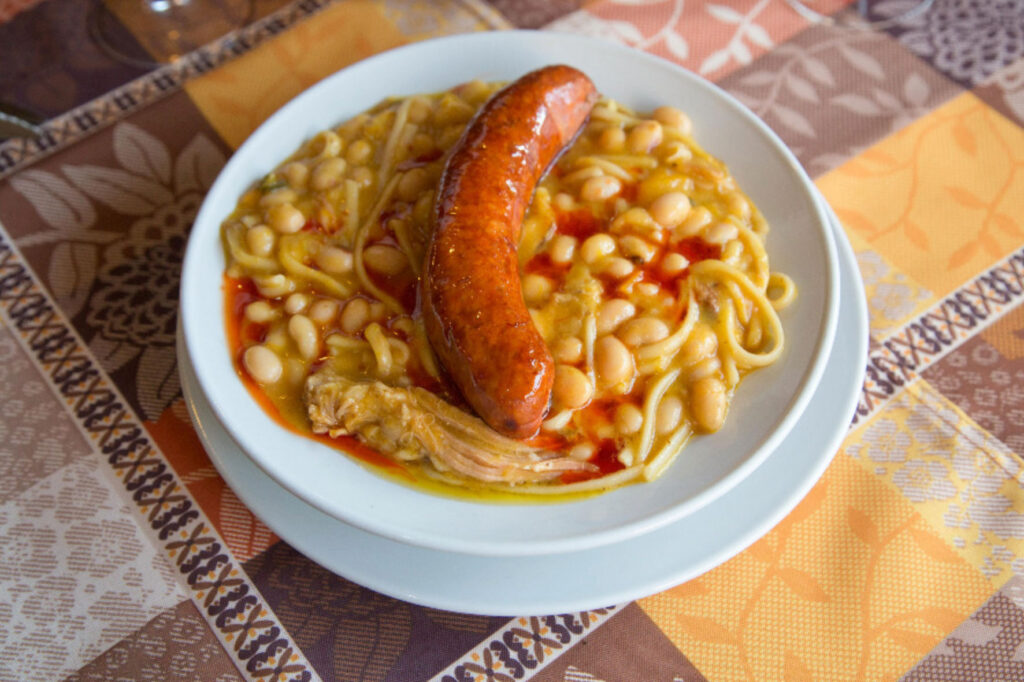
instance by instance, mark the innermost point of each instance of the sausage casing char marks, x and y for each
(472, 301)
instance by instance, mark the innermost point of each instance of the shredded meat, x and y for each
(412, 423)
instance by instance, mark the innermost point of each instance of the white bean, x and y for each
(674, 263)
(674, 118)
(262, 364)
(260, 240)
(668, 414)
(612, 313)
(642, 331)
(720, 233)
(701, 343)
(561, 249)
(323, 310)
(636, 220)
(635, 247)
(708, 403)
(582, 451)
(260, 312)
(328, 173)
(285, 218)
(335, 260)
(296, 303)
(649, 289)
(274, 286)
(694, 222)
(355, 315)
(362, 175)
(572, 389)
(568, 350)
(644, 137)
(628, 419)
(563, 202)
(359, 152)
(596, 247)
(536, 288)
(278, 196)
(413, 181)
(384, 259)
(738, 205)
(303, 332)
(617, 267)
(705, 368)
(613, 362)
(296, 173)
(670, 209)
(600, 188)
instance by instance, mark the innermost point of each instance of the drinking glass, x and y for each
(147, 33)
(870, 14)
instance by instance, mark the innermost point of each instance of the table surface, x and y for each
(124, 555)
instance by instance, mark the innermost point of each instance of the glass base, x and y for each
(163, 30)
(864, 18)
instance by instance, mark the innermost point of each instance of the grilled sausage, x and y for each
(471, 297)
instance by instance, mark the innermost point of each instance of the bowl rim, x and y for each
(575, 535)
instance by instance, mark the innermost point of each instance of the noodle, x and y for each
(351, 209)
(788, 290)
(388, 162)
(243, 257)
(608, 166)
(361, 236)
(651, 402)
(664, 350)
(291, 253)
(667, 453)
(381, 348)
(401, 230)
(613, 480)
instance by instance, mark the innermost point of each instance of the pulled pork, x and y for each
(412, 423)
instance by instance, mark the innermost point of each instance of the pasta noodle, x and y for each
(654, 283)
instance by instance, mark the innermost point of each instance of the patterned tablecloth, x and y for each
(124, 555)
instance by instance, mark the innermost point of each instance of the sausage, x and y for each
(470, 295)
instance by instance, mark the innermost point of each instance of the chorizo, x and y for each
(471, 298)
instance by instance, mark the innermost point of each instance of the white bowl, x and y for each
(766, 405)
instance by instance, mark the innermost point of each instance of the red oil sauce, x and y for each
(313, 225)
(580, 223)
(541, 265)
(696, 249)
(605, 459)
(240, 293)
(629, 191)
(402, 287)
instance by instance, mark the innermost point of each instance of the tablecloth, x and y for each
(124, 556)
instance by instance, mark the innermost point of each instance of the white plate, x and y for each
(575, 581)
(763, 412)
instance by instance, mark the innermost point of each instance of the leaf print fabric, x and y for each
(132, 305)
(711, 39)
(110, 238)
(831, 92)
